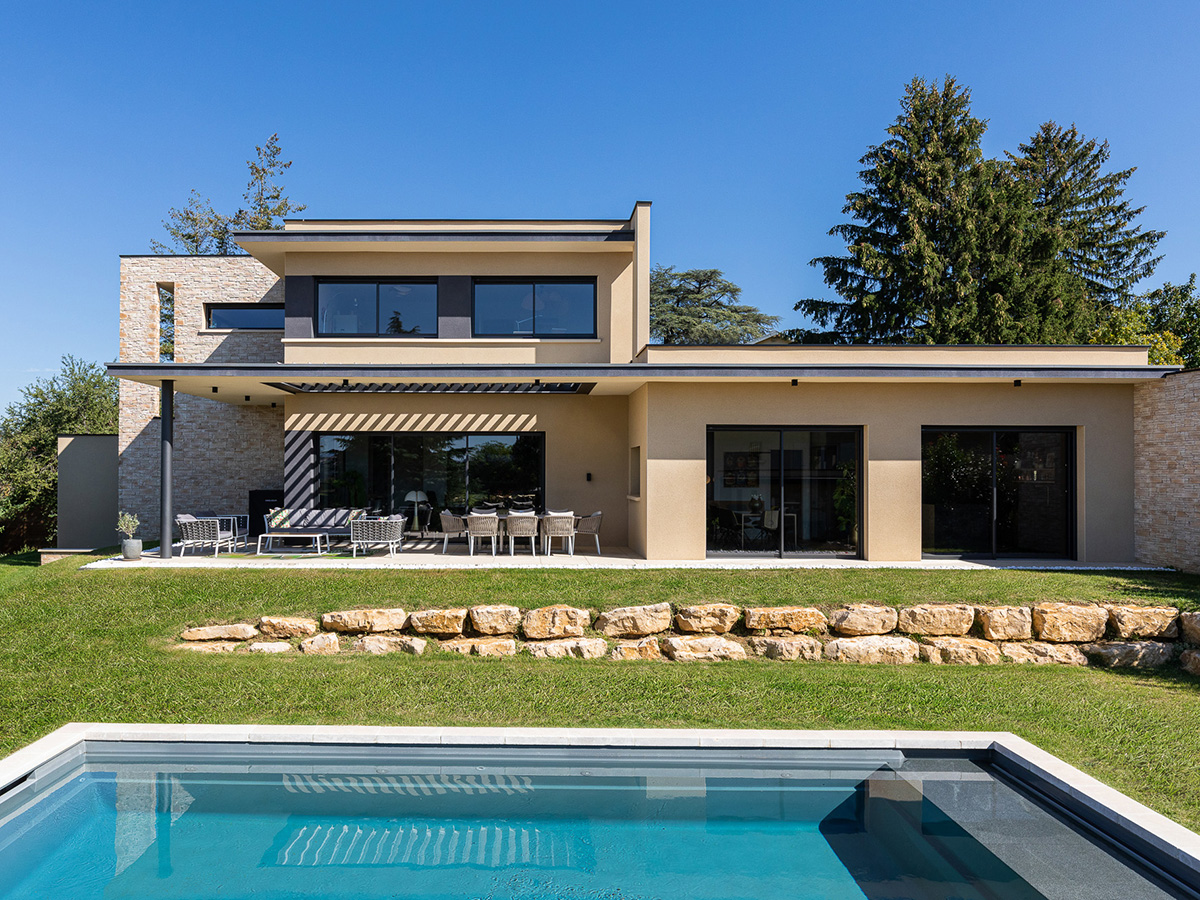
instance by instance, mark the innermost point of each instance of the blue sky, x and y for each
(743, 123)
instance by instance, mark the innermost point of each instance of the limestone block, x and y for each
(702, 647)
(1006, 623)
(873, 649)
(239, 632)
(496, 619)
(1040, 653)
(556, 621)
(1069, 622)
(490, 646)
(378, 644)
(322, 644)
(786, 618)
(437, 621)
(583, 648)
(708, 618)
(497, 646)
(799, 646)
(211, 646)
(634, 621)
(1190, 660)
(963, 651)
(1189, 623)
(864, 619)
(359, 621)
(270, 647)
(1129, 654)
(936, 619)
(286, 626)
(1144, 622)
(645, 648)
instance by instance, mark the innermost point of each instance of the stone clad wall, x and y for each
(222, 450)
(1167, 471)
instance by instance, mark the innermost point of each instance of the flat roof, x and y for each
(274, 382)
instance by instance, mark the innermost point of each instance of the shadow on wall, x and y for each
(222, 452)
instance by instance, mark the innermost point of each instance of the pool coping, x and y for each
(1166, 838)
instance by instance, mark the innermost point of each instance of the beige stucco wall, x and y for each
(892, 416)
(583, 434)
(1167, 471)
(615, 332)
(87, 491)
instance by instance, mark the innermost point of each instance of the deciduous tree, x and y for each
(80, 399)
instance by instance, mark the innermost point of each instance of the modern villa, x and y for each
(368, 363)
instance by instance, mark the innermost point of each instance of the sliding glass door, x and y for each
(783, 491)
(997, 492)
(383, 472)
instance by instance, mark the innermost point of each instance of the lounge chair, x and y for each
(196, 532)
(365, 532)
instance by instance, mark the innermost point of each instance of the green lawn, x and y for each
(95, 646)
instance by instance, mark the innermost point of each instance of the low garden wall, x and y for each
(1058, 633)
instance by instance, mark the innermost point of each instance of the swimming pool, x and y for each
(667, 818)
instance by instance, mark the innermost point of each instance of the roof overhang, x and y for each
(273, 382)
(271, 247)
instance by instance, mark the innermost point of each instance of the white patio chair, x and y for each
(561, 526)
(452, 526)
(590, 525)
(365, 532)
(480, 525)
(521, 525)
(194, 532)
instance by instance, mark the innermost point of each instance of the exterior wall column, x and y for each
(166, 517)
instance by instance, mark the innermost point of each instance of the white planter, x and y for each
(131, 548)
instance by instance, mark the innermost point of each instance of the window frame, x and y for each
(533, 282)
(333, 279)
(210, 307)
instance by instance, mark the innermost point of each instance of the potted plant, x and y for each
(131, 547)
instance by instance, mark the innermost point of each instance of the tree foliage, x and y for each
(197, 228)
(700, 306)
(1085, 209)
(80, 399)
(1175, 308)
(948, 247)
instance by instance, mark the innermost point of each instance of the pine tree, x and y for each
(1084, 208)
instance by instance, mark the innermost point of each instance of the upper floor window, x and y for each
(395, 308)
(245, 316)
(541, 308)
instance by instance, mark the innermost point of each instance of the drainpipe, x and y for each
(166, 517)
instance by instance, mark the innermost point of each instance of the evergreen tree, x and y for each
(912, 265)
(198, 228)
(1084, 208)
(700, 306)
(947, 247)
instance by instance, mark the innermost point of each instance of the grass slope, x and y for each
(95, 646)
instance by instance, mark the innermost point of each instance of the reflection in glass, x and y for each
(544, 309)
(504, 309)
(454, 471)
(956, 492)
(995, 493)
(248, 317)
(567, 309)
(408, 309)
(346, 308)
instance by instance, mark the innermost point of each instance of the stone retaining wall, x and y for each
(1061, 633)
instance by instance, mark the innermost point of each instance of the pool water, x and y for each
(584, 826)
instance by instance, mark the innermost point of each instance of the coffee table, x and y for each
(316, 536)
